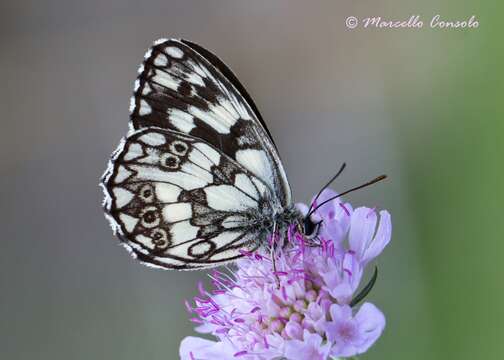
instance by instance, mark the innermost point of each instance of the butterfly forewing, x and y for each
(231, 77)
(177, 202)
(181, 89)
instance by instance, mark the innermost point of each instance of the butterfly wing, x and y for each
(185, 88)
(177, 202)
(231, 77)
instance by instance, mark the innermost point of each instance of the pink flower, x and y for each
(303, 309)
(311, 347)
(353, 335)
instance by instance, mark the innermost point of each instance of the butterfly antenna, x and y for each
(374, 181)
(325, 186)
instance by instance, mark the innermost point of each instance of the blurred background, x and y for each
(422, 105)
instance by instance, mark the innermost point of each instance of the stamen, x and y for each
(297, 256)
(280, 273)
(201, 289)
(324, 246)
(331, 248)
(283, 319)
(266, 345)
(200, 300)
(214, 303)
(188, 306)
(245, 253)
(344, 209)
(284, 293)
(219, 282)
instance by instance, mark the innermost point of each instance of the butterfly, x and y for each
(198, 180)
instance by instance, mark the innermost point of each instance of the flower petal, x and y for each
(362, 229)
(340, 312)
(371, 324)
(294, 330)
(329, 209)
(310, 348)
(381, 239)
(197, 348)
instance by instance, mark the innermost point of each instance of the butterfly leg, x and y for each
(273, 246)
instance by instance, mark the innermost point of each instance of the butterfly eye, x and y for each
(179, 148)
(147, 193)
(170, 161)
(310, 228)
(150, 217)
(159, 238)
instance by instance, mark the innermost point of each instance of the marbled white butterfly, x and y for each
(197, 181)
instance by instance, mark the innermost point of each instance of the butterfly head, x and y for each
(310, 228)
(307, 226)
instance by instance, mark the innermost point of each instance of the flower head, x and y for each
(300, 306)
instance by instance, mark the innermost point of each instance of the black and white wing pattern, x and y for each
(178, 202)
(198, 178)
(185, 88)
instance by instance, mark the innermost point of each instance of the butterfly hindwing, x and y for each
(178, 202)
(185, 88)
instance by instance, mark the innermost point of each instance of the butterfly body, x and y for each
(198, 179)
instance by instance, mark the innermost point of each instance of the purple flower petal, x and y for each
(327, 210)
(310, 348)
(371, 322)
(381, 239)
(353, 335)
(294, 330)
(362, 238)
(362, 229)
(205, 349)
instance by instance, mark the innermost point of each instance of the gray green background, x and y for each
(424, 106)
